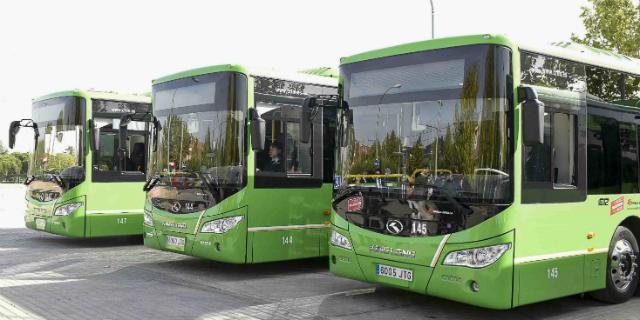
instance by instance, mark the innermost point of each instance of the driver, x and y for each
(275, 160)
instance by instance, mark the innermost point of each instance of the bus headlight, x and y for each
(67, 209)
(148, 219)
(477, 257)
(339, 240)
(221, 225)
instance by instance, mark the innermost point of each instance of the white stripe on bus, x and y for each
(115, 211)
(436, 256)
(559, 255)
(293, 227)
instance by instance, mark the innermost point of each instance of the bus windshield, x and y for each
(199, 159)
(57, 162)
(430, 131)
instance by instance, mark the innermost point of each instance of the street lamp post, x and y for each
(433, 17)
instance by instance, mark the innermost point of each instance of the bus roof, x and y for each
(95, 94)
(564, 50)
(300, 76)
(587, 55)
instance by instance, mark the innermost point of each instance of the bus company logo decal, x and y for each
(633, 204)
(174, 225)
(617, 205)
(406, 253)
(394, 226)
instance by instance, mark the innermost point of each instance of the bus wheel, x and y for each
(622, 269)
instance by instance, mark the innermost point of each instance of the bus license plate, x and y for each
(175, 243)
(40, 224)
(393, 272)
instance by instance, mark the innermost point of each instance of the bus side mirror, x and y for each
(157, 127)
(305, 120)
(95, 136)
(14, 128)
(123, 132)
(258, 131)
(532, 116)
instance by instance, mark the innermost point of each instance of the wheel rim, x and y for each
(623, 264)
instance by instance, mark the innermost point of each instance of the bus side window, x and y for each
(271, 159)
(538, 157)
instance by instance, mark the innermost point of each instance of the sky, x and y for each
(48, 46)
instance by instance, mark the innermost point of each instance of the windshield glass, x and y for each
(108, 165)
(428, 140)
(58, 161)
(200, 151)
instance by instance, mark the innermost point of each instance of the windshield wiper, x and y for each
(56, 178)
(151, 183)
(29, 179)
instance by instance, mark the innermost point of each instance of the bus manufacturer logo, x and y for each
(394, 226)
(176, 206)
(617, 205)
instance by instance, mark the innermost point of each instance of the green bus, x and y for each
(486, 172)
(241, 169)
(79, 183)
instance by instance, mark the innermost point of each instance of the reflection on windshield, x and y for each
(429, 142)
(427, 148)
(58, 152)
(200, 154)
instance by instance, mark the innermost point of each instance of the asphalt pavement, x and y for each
(44, 276)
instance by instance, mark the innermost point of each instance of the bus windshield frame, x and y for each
(429, 130)
(204, 161)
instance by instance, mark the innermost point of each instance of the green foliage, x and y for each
(3, 150)
(59, 161)
(612, 25)
(13, 165)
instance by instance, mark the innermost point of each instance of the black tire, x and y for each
(616, 291)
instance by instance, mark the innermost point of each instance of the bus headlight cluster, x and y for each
(67, 209)
(148, 219)
(339, 240)
(477, 257)
(221, 225)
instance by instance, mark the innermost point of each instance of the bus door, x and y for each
(287, 211)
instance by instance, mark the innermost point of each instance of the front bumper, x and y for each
(228, 247)
(450, 282)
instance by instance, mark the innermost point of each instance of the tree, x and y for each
(3, 150)
(611, 25)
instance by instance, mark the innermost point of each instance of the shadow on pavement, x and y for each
(28, 238)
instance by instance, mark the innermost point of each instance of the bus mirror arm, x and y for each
(532, 116)
(258, 130)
